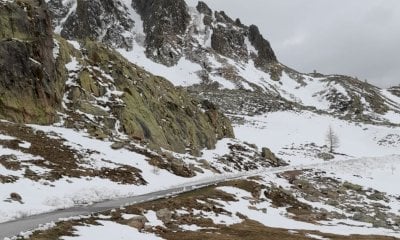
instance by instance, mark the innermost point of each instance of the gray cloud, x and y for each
(353, 37)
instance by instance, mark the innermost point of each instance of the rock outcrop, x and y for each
(94, 87)
(103, 20)
(229, 42)
(266, 55)
(108, 95)
(165, 22)
(395, 90)
(28, 90)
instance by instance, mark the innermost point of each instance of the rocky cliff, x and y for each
(89, 86)
(110, 96)
(29, 90)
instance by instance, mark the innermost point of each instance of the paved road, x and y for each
(9, 229)
(13, 228)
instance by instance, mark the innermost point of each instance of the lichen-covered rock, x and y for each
(29, 91)
(165, 215)
(137, 222)
(268, 154)
(146, 107)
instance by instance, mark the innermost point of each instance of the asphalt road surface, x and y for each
(13, 228)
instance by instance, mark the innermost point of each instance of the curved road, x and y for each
(13, 228)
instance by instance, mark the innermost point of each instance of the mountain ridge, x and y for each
(212, 51)
(110, 99)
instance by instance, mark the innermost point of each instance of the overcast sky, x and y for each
(353, 37)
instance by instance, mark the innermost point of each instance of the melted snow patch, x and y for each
(182, 74)
(25, 144)
(153, 219)
(276, 217)
(6, 137)
(110, 230)
(313, 236)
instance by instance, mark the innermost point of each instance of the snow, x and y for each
(109, 230)
(68, 192)
(313, 236)
(153, 219)
(284, 131)
(26, 235)
(43, 196)
(73, 65)
(378, 173)
(308, 95)
(182, 74)
(276, 218)
(395, 100)
(220, 218)
(192, 228)
(25, 144)
(392, 117)
(72, 5)
(226, 84)
(6, 137)
(75, 44)
(56, 49)
(129, 216)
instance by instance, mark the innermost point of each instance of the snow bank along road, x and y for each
(9, 229)
(12, 228)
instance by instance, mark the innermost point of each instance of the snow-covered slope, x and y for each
(62, 168)
(120, 127)
(217, 52)
(300, 137)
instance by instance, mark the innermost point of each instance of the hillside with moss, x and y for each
(45, 79)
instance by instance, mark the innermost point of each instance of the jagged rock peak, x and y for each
(265, 53)
(165, 27)
(203, 8)
(107, 21)
(165, 22)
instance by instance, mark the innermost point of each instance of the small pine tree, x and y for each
(332, 140)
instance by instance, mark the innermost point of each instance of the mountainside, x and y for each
(30, 91)
(43, 77)
(214, 54)
(104, 99)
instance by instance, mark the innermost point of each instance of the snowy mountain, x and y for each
(106, 99)
(214, 54)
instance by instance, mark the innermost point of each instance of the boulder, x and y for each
(165, 215)
(266, 153)
(138, 222)
(118, 145)
(16, 197)
(325, 156)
